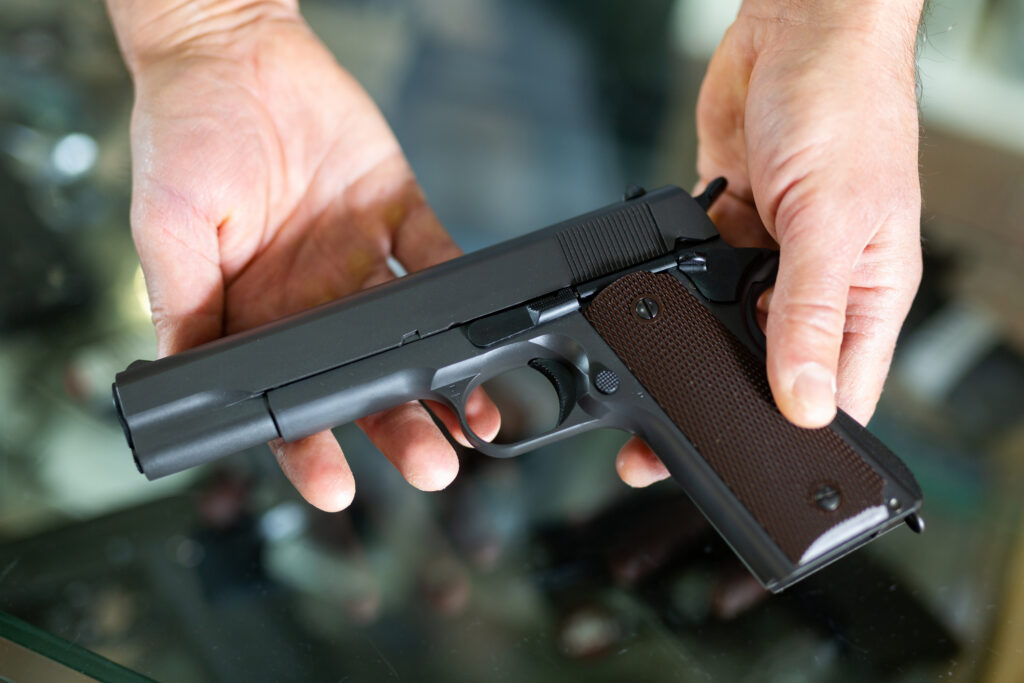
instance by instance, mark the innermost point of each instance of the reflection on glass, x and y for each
(514, 114)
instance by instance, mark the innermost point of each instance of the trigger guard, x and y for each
(455, 396)
(562, 380)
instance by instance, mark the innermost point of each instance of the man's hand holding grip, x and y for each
(809, 110)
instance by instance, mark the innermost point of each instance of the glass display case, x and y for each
(514, 115)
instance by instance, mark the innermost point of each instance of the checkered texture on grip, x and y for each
(716, 391)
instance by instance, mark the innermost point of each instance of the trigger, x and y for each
(562, 380)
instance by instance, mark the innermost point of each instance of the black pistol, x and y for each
(641, 317)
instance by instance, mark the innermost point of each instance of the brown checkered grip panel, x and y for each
(716, 391)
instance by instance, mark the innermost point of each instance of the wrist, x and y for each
(890, 20)
(149, 31)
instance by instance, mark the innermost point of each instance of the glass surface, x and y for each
(30, 654)
(514, 115)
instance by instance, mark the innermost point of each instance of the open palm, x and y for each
(266, 181)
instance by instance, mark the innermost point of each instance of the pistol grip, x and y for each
(796, 483)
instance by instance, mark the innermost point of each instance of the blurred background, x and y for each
(514, 114)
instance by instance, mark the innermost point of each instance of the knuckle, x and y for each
(161, 315)
(391, 419)
(823, 320)
(914, 271)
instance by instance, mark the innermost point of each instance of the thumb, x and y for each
(806, 320)
(180, 260)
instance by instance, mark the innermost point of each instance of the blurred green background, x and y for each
(514, 115)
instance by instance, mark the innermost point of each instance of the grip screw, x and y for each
(647, 308)
(827, 498)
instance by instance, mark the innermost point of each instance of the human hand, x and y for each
(265, 181)
(809, 111)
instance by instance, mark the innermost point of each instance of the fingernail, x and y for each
(815, 392)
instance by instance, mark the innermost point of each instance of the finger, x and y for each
(412, 442)
(420, 241)
(764, 304)
(736, 218)
(482, 416)
(879, 300)
(638, 466)
(864, 363)
(317, 468)
(179, 254)
(805, 326)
